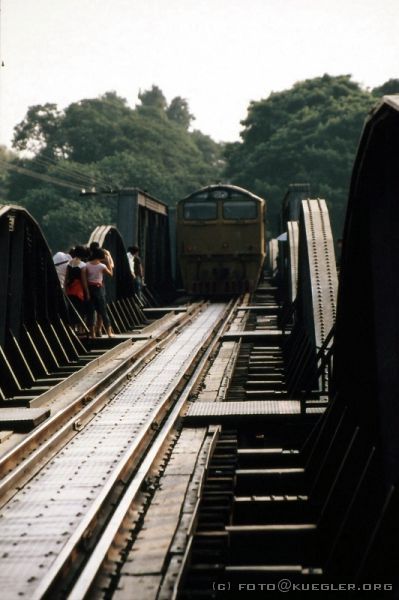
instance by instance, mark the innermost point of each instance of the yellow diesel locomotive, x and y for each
(220, 240)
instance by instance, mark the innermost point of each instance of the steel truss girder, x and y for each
(272, 255)
(124, 308)
(37, 346)
(312, 262)
(366, 355)
(293, 243)
(317, 273)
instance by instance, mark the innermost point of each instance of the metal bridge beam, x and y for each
(366, 357)
(37, 346)
(312, 262)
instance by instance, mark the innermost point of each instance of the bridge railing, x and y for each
(324, 359)
(310, 306)
(308, 367)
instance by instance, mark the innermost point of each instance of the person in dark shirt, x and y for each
(75, 283)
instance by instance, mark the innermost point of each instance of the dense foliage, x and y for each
(308, 134)
(5, 158)
(105, 144)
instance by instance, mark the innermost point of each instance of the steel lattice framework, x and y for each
(37, 345)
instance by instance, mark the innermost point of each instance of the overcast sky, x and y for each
(218, 54)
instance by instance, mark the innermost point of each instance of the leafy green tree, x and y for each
(38, 130)
(179, 112)
(104, 144)
(66, 216)
(153, 98)
(71, 220)
(389, 87)
(211, 151)
(94, 128)
(85, 132)
(6, 158)
(308, 134)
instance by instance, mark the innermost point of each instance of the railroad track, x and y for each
(139, 487)
(73, 400)
(241, 422)
(67, 487)
(256, 517)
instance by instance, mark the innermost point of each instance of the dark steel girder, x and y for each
(124, 307)
(292, 255)
(312, 264)
(121, 284)
(366, 356)
(29, 288)
(317, 272)
(37, 345)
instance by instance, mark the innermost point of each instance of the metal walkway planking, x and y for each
(40, 519)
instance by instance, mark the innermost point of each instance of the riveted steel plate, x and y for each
(217, 412)
(246, 408)
(165, 309)
(75, 478)
(4, 435)
(317, 270)
(293, 244)
(260, 308)
(143, 587)
(253, 335)
(150, 550)
(22, 419)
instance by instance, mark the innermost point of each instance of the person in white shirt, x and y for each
(61, 260)
(130, 259)
(136, 269)
(95, 270)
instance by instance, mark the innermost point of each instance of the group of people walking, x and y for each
(81, 274)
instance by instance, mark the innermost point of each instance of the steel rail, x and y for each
(104, 545)
(24, 459)
(124, 462)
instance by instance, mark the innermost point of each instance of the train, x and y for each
(220, 231)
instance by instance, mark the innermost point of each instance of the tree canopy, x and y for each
(5, 159)
(389, 87)
(307, 134)
(106, 144)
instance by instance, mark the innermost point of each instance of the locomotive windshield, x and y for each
(200, 210)
(240, 209)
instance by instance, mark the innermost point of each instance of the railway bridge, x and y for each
(210, 449)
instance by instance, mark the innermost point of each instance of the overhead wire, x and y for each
(89, 184)
(73, 173)
(74, 176)
(41, 176)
